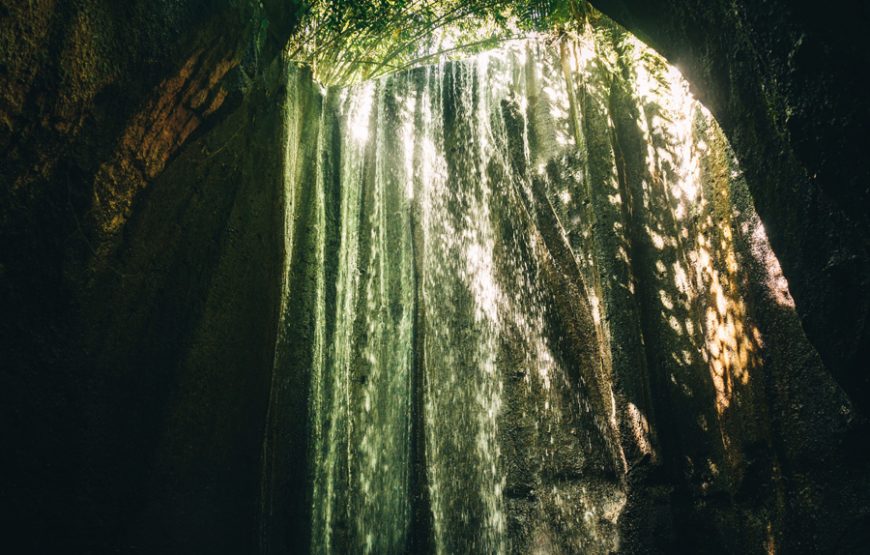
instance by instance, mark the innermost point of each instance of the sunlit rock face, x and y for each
(533, 295)
(783, 87)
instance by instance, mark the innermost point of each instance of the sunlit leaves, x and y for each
(350, 40)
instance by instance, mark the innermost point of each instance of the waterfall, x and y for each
(494, 261)
(362, 393)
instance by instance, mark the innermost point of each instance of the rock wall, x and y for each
(782, 79)
(140, 270)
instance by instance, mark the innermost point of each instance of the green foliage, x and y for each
(350, 40)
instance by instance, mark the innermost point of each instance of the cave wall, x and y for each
(308, 282)
(782, 78)
(202, 271)
(140, 270)
(744, 421)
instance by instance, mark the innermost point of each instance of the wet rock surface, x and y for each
(781, 78)
(143, 223)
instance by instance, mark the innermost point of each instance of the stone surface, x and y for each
(138, 175)
(783, 80)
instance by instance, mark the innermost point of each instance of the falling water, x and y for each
(468, 242)
(362, 391)
(437, 229)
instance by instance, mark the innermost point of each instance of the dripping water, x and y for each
(463, 354)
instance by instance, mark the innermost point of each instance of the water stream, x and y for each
(473, 245)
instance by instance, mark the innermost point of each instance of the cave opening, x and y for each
(427, 277)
